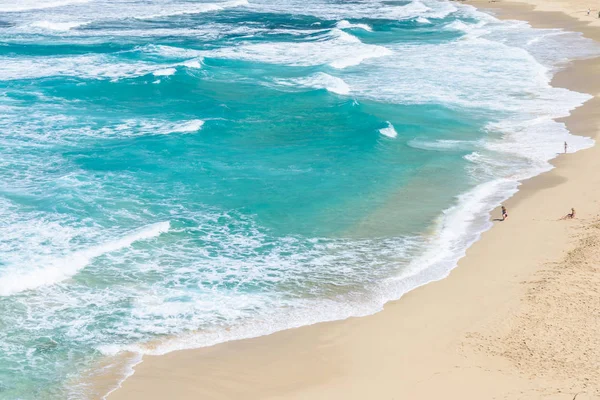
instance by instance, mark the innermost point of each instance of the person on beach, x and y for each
(565, 147)
(571, 215)
(588, 11)
(504, 214)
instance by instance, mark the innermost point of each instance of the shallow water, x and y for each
(176, 174)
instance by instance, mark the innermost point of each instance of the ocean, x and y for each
(178, 173)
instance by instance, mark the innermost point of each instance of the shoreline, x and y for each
(421, 344)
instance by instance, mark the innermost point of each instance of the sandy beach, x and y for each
(519, 318)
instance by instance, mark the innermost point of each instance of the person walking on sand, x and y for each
(566, 147)
(504, 214)
(588, 11)
(571, 215)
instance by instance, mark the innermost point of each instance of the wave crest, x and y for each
(57, 26)
(336, 48)
(344, 24)
(50, 272)
(320, 80)
(389, 131)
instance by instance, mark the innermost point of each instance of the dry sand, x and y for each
(519, 318)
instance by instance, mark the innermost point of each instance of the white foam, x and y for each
(49, 272)
(320, 80)
(443, 145)
(199, 319)
(25, 5)
(164, 72)
(88, 11)
(536, 140)
(336, 48)
(423, 20)
(458, 227)
(169, 51)
(359, 10)
(57, 26)
(188, 126)
(85, 66)
(344, 24)
(140, 127)
(389, 131)
(192, 64)
(460, 74)
(344, 36)
(537, 39)
(303, 315)
(190, 8)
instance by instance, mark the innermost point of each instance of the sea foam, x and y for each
(444, 145)
(319, 80)
(57, 26)
(24, 5)
(361, 10)
(389, 131)
(188, 126)
(336, 48)
(86, 66)
(343, 24)
(193, 8)
(49, 272)
(164, 72)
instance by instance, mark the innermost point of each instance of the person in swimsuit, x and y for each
(571, 215)
(504, 213)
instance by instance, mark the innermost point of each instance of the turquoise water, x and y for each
(176, 174)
